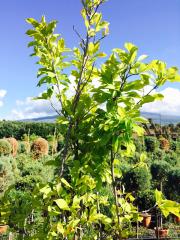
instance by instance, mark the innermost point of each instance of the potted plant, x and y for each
(146, 219)
(177, 219)
(161, 232)
(3, 228)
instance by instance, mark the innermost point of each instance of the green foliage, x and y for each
(138, 179)
(8, 173)
(98, 123)
(19, 129)
(166, 206)
(24, 147)
(173, 145)
(33, 172)
(172, 191)
(145, 199)
(140, 145)
(159, 171)
(14, 145)
(5, 147)
(18, 203)
(172, 158)
(151, 144)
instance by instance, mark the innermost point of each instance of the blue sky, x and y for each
(153, 25)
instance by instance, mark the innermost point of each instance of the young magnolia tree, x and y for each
(99, 113)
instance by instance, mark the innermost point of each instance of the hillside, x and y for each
(156, 118)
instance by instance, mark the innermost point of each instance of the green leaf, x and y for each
(115, 143)
(141, 120)
(62, 204)
(32, 21)
(93, 48)
(130, 47)
(60, 228)
(142, 57)
(134, 85)
(139, 130)
(31, 32)
(65, 183)
(158, 197)
(143, 157)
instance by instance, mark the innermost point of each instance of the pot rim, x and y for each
(145, 215)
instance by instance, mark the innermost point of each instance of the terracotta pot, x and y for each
(177, 219)
(3, 228)
(161, 232)
(146, 219)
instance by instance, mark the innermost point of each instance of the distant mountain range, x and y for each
(156, 118)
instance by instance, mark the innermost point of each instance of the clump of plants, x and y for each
(53, 144)
(8, 173)
(24, 147)
(14, 145)
(40, 147)
(5, 147)
(151, 144)
(164, 144)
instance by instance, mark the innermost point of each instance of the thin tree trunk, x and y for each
(115, 195)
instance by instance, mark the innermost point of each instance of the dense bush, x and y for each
(8, 173)
(173, 183)
(173, 145)
(18, 129)
(145, 199)
(137, 179)
(151, 143)
(20, 199)
(53, 144)
(172, 158)
(24, 147)
(14, 145)
(40, 147)
(5, 147)
(164, 143)
(159, 171)
(32, 172)
(140, 144)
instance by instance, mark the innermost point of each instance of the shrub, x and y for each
(24, 147)
(8, 172)
(139, 143)
(159, 154)
(32, 172)
(172, 158)
(14, 145)
(53, 144)
(164, 143)
(40, 147)
(151, 144)
(173, 182)
(159, 171)
(145, 199)
(173, 145)
(5, 147)
(137, 179)
(53, 147)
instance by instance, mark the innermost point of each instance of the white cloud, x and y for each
(30, 108)
(2, 95)
(169, 105)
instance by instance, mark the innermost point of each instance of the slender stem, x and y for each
(115, 194)
(99, 211)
